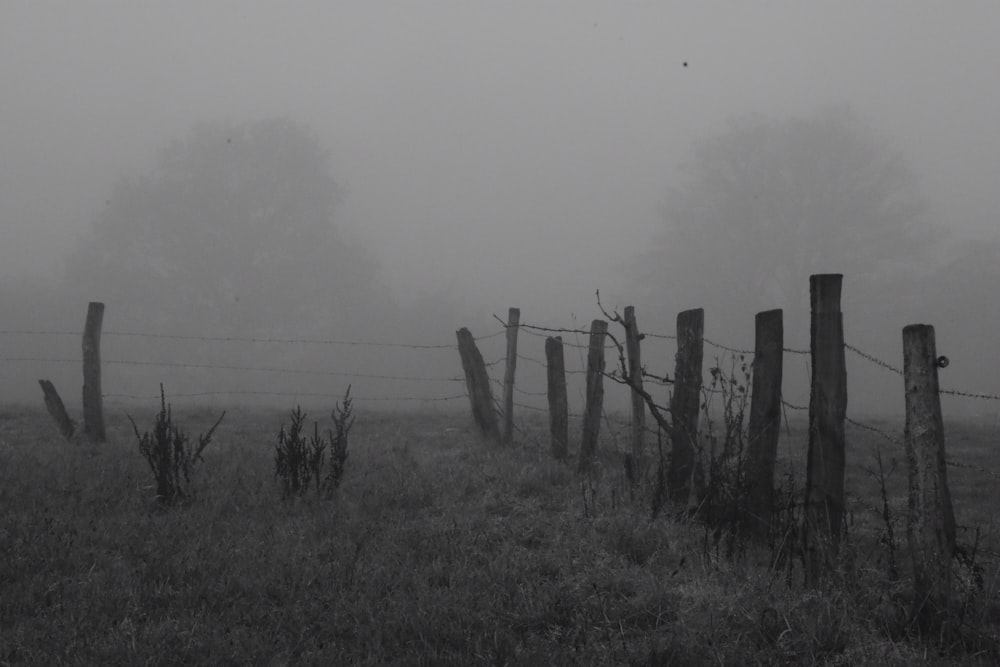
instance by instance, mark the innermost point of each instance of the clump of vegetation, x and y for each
(343, 420)
(299, 460)
(170, 452)
(724, 491)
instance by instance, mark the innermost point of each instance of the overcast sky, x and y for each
(528, 143)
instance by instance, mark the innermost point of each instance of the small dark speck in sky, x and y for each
(685, 63)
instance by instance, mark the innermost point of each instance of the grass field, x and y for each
(438, 549)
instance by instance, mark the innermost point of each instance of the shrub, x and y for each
(343, 421)
(170, 453)
(299, 460)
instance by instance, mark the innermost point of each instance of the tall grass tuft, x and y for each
(299, 459)
(170, 453)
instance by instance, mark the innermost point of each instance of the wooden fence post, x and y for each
(558, 405)
(93, 402)
(827, 410)
(638, 430)
(930, 525)
(513, 323)
(477, 382)
(765, 418)
(685, 402)
(56, 408)
(595, 393)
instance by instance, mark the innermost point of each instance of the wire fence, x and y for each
(276, 371)
(884, 434)
(531, 329)
(449, 389)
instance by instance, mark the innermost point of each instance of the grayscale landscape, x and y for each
(526, 333)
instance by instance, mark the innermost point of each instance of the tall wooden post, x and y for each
(930, 525)
(93, 402)
(765, 418)
(558, 405)
(686, 402)
(827, 410)
(477, 382)
(638, 430)
(595, 393)
(513, 323)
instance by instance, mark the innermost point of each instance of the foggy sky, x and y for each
(514, 153)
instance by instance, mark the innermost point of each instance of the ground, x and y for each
(438, 549)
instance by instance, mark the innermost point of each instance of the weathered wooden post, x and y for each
(638, 404)
(930, 525)
(513, 323)
(685, 402)
(93, 402)
(765, 418)
(56, 408)
(827, 409)
(477, 383)
(595, 393)
(558, 405)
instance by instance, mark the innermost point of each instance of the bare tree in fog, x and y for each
(233, 228)
(767, 202)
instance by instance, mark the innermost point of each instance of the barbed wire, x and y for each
(875, 360)
(529, 328)
(541, 332)
(248, 339)
(203, 394)
(647, 334)
(792, 406)
(229, 367)
(524, 357)
(37, 332)
(978, 468)
(49, 360)
(734, 350)
(525, 406)
(487, 336)
(535, 408)
(969, 394)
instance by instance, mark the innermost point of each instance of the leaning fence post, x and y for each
(513, 322)
(93, 408)
(56, 408)
(558, 405)
(595, 393)
(930, 525)
(765, 418)
(638, 430)
(827, 410)
(685, 402)
(477, 383)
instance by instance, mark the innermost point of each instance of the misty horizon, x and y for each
(501, 155)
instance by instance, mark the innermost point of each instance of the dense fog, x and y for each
(347, 183)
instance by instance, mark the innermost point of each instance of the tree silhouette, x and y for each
(234, 226)
(766, 203)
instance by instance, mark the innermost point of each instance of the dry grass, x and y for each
(436, 550)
